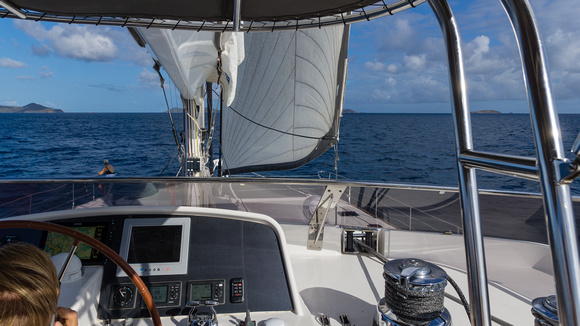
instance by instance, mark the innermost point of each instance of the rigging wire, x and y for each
(168, 164)
(336, 159)
(157, 68)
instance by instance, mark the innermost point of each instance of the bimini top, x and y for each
(222, 15)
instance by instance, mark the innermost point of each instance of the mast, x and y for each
(220, 171)
(211, 125)
(193, 117)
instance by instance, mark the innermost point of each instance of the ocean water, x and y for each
(398, 148)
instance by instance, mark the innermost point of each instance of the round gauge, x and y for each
(123, 296)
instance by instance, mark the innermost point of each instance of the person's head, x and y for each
(105, 161)
(29, 286)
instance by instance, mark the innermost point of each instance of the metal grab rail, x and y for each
(472, 233)
(550, 153)
(550, 156)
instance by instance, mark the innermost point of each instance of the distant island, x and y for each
(486, 112)
(348, 111)
(28, 108)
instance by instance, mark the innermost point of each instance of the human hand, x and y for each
(66, 317)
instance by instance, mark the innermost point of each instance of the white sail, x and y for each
(193, 58)
(289, 99)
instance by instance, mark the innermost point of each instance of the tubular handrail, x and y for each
(472, 233)
(550, 151)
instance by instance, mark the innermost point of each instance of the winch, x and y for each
(414, 293)
(545, 311)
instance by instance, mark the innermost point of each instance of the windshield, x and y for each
(434, 209)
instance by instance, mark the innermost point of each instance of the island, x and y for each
(348, 111)
(28, 108)
(486, 112)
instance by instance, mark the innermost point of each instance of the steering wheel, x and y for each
(101, 247)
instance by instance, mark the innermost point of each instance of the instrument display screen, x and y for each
(206, 290)
(159, 293)
(155, 244)
(198, 292)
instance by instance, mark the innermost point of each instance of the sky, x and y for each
(397, 64)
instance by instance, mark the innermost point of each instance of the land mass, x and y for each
(486, 112)
(348, 111)
(28, 108)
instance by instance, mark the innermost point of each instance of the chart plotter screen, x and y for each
(56, 243)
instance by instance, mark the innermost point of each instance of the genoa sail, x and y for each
(283, 91)
(289, 99)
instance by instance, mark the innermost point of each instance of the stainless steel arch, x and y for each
(550, 155)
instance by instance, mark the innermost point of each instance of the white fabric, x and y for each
(191, 58)
(287, 86)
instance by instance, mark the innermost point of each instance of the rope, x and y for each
(461, 296)
(270, 128)
(451, 281)
(412, 305)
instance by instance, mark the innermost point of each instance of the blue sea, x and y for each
(398, 148)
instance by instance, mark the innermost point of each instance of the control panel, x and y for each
(237, 290)
(185, 260)
(180, 259)
(213, 290)
(166, 294)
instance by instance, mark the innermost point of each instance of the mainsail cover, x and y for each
(288, 100)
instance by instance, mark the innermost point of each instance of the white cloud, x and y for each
(9, 102)
(87, 43)
(392, 68)
(480, 58)
(415, 62)
(149, 79)
(479, 46)
(401, 35)
(381, 94)
(33, 29)
(84, 42)
(424, 89)
(566, 44)
(10, 63)
(375, 66)
(410, 49)
(42, 51)
(138, 54)
(387, 91)
(45, 72)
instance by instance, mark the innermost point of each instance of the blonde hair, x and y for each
(29, 287)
